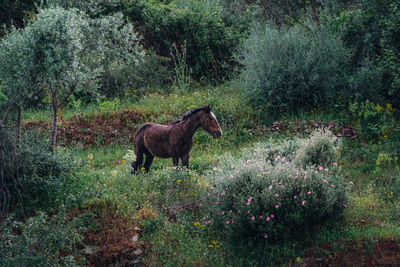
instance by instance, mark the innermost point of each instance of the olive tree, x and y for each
(17, 73)
(69, 50)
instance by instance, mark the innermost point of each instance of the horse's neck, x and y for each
(190, 126)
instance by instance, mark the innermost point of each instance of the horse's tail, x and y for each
(139, 147)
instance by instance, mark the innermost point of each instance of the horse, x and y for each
(173, 140)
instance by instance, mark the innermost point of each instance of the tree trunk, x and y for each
(5, 114)
(315, 12)
(54, 123)
(19, 125)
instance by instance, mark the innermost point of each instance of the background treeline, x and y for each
(290, 55)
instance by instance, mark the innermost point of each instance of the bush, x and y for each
(40, 241)
(210, 33)
(319, 150)
(293, 69)
(258, 199)
(32, 176)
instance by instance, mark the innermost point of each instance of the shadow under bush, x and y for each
(258, 200)
(32, 176)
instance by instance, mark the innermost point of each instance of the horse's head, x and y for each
(209, 122)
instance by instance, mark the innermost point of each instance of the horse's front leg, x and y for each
(185, 160)
(175, 161)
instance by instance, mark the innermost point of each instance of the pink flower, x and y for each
(266, 236)
(253, 218)
(231, 176)
(270, 187)
(308, 192)
(295, 197)
(325, 181)
(303, 202)
(230, 211)
(211, 188)
(345, 206)
(239, 211)
(268, 219)
(223, 212)
(276, 195)
(227, 222)
(272, 216)
(248, 211)
(277, 206)
(261, 217)
(320, 168)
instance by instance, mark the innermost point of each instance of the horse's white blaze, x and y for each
(212, 114)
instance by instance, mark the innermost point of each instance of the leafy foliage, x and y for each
(40, 241)
(290, 70)
(32, 176)
(211, 37)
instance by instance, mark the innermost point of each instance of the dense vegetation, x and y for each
(307, 95)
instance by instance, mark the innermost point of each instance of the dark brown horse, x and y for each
(174, 140)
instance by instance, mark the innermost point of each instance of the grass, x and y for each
(175, 236)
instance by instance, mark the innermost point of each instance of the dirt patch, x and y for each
(117, 127)
(111, 238)
(354, 253)
(120, 127)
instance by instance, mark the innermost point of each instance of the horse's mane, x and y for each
(190, 113)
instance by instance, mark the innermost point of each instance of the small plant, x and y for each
(373, 120)
(182, 79)
(107, 105)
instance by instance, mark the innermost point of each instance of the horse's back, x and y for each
(154, 137)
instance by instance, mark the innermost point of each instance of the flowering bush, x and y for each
(262, 199)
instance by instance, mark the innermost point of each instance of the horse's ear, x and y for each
(210, 107)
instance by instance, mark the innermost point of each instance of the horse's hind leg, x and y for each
(136, 165)
(149, 161)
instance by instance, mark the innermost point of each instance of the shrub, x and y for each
(210, 33)
(319, 150)
(40, 241)
(32, 176)
(293, 69)
(258, 199)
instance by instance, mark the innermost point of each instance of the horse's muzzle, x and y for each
(217, 134)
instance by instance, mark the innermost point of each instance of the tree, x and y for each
(72, 52)
(58, 41)
(17, 73)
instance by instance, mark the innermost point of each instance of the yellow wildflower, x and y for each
(389, 106)
(90, 156)
(178, 181)
(379, 108)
